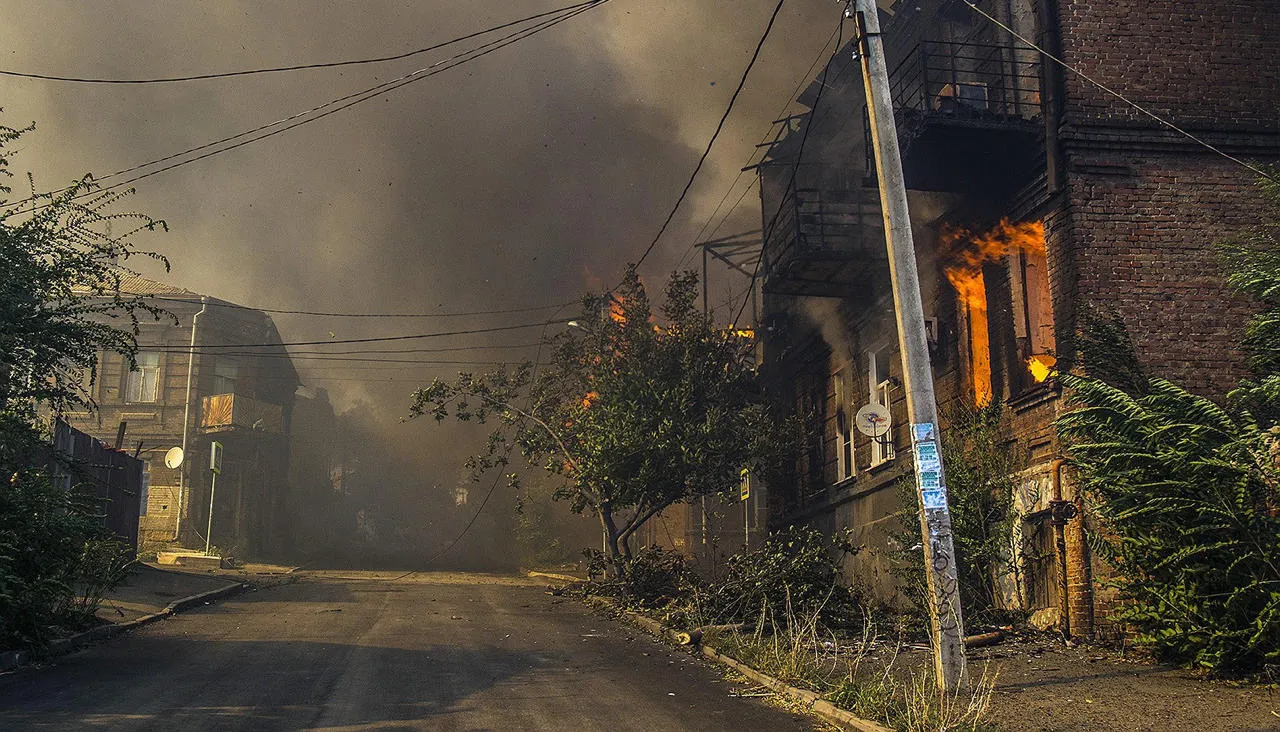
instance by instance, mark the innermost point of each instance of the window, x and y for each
(844, 425)
(225, 371)
(1032, 317)
(879, 385)
(143, 384)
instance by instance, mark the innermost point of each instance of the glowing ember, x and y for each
(590, 397)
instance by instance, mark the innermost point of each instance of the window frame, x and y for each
(138, 376)
(879, 386)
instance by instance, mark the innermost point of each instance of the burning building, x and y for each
(1035, 196)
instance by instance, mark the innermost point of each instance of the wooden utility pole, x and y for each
(935, 518)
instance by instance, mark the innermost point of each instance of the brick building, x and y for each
(1035, 196)
(236, 392)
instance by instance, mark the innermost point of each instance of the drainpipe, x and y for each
(186, 416)
(1061, 511)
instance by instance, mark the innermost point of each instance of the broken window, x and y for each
(143, 383)
(1032, 316)
(880, 385)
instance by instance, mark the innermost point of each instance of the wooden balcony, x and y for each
(236, 412)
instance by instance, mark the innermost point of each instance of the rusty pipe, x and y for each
(1060, 516)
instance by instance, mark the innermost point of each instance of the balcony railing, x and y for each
(816, 233)
(964, 83)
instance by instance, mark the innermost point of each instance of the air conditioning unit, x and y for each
(962, 95)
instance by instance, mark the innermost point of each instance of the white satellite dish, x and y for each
(873, 420)
(173, 458)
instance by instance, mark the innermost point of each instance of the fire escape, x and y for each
(821, 240)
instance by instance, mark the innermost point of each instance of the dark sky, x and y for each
(520, 179)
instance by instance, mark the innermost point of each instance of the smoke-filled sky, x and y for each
(520, 179)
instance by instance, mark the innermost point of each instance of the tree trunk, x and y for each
(610, 529)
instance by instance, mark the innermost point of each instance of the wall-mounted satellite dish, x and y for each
(173, 458)
(873, 420)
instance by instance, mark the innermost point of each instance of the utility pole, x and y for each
(945, 616)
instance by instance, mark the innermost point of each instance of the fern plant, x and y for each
(1186, 497)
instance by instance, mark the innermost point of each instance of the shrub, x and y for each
(797, 572)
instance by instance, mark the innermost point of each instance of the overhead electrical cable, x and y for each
(275, 311)
(381, 339)
(297, 67)
(795, 169)
(1162, 120)
(300, 118)
(729, 191)
(710, 143)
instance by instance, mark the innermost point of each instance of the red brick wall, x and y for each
(1207, 63)
(1142, 241)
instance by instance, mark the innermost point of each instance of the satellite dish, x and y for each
(873, 420)
(173, 458)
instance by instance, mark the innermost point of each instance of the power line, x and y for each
(795, 169)
(344, 103)
(298, 67)
(381, 339)
(501, 311)
(1122, 97)
(764, 138)
(720, 126)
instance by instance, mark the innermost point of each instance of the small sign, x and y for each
(933, 499)
(922, 432)
(215, 457)
(744, 485)
(927, 457)
(930, 480)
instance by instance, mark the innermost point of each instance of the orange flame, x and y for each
(616, 312)
(965, 255)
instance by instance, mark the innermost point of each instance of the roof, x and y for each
(138, 285)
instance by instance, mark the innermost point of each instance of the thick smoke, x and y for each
(500, 184)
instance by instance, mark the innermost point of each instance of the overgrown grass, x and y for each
(860, 674)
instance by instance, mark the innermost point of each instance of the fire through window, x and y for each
(1021, 247)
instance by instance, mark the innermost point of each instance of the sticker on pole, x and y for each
(927, 457)
(933, 500)
(923, 431)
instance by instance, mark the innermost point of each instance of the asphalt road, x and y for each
(353, 651)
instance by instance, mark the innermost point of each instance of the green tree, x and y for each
(631, 415)
(60, 268)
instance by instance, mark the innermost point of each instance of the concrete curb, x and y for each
(808, 699)
(10, 660)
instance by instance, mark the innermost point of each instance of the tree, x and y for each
(60, 270)
(631, 415)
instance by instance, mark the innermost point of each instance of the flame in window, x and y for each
(964, 254)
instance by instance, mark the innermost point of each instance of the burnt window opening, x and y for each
(225, 373)
(846, 465)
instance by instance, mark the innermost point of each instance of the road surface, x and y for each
(354, 651)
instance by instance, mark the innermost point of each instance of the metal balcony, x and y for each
(967, 114)
(821, 241)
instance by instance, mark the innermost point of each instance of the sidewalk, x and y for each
(149, 590)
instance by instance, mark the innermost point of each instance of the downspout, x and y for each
(1061, 512)
(186, 416)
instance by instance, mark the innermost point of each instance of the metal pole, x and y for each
(208, 532)
(186, 416)
(945, 614)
